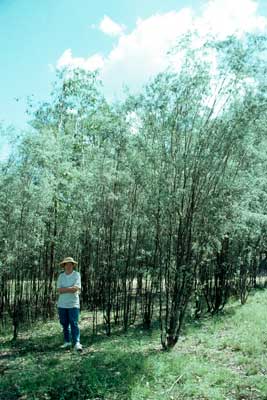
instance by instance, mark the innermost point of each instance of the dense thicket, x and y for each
(160, 198)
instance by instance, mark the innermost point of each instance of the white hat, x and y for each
(68, 260)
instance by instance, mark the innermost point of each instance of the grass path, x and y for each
(219, 358)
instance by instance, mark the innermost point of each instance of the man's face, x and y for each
(68, 268)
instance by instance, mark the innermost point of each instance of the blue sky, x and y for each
(127, 40)
(34, 34)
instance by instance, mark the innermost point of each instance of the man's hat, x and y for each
(68, 260)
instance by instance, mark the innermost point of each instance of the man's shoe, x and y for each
(66, 345)
(78, 347)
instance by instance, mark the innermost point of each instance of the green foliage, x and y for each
(142, 192)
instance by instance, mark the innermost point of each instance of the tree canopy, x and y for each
(161, 197)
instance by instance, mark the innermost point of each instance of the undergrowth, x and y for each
(219, 357)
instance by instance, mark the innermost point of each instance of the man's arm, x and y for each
(72, 289)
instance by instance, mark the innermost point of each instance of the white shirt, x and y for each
(69, 300)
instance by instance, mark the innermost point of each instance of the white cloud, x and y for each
(108, 26)
(91, 63)
(143, 52)
(228, 17)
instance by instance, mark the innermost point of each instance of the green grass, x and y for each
(222, 357)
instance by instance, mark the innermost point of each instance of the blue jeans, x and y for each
(69, 318)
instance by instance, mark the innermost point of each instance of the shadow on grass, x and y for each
(50, 343)
(104, 374)
(29, 345)
(192, 324)
(108, 368)
(110, 374)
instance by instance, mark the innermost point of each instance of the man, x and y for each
(69, 286)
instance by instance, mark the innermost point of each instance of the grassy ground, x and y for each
(223, 357)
